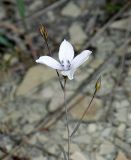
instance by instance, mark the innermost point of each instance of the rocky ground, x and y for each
(32, 119)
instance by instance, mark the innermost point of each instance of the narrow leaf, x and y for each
(21, 8)
(22, 11)
(4, 41)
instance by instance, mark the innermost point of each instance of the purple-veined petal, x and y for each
(80, 59)
(69, 74)
(49, 61)
(66, 51)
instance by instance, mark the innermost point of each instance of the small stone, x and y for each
(77, 35)
(73, 147)
(47, 93)
(129, 117)
(13, 116)
(121, 156)
(32, 117)
(129, 71)
(123, 24)
(82, 139)
(38, 138)
(71, 10)
(92, 128)
(39, 158)
(107, 84)
(104, 46)
(14, 61)
(107, 148)
(33, 140)
(28, 128)
(128, 135)
(56, 101)
(129, 51)
(98, 157)
(96, 63)
(107, 132)
(51, 16)
(2, 12)
(35, 4)
(52, 149)
(121, 130)
(127, 84)
(42, 138)
(35, 76)
(125, 103)
(121, 104)
(7, 57)
(121, 115)
(78, 156)
(94, 113)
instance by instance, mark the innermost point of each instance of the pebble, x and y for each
(121, 156)
(56, 101)
(82, 139)
(121, 130)
(28, 128)
(39, 158)
(129, 71)
(98, 157)
(51, 16)
(32, 117)
(71, 10)
(106, 148)
(78, 156)
(107, 133)
(36, 4)
(92, 128)
(94, 113)
(77, 35)
(123, 24)
(7, 57)
(42, 138)
(107, 84)
(128, 135)
(35, 76)
(121, 115)
(96, 63)
(2, 13)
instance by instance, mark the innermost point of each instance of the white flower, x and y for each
(67, 63)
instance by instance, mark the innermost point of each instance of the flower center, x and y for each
(66, 65)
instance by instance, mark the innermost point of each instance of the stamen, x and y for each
(68, 61)
(62, 63)
(69, 64)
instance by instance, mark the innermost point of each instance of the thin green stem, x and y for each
(78, 124)
(67, 119)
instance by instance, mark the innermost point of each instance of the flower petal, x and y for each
(80, 59)
(66, 51)
(49, 61)
(69, 74)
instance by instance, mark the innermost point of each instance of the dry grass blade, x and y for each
(22, 11)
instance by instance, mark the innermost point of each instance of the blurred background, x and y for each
(32, 119)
